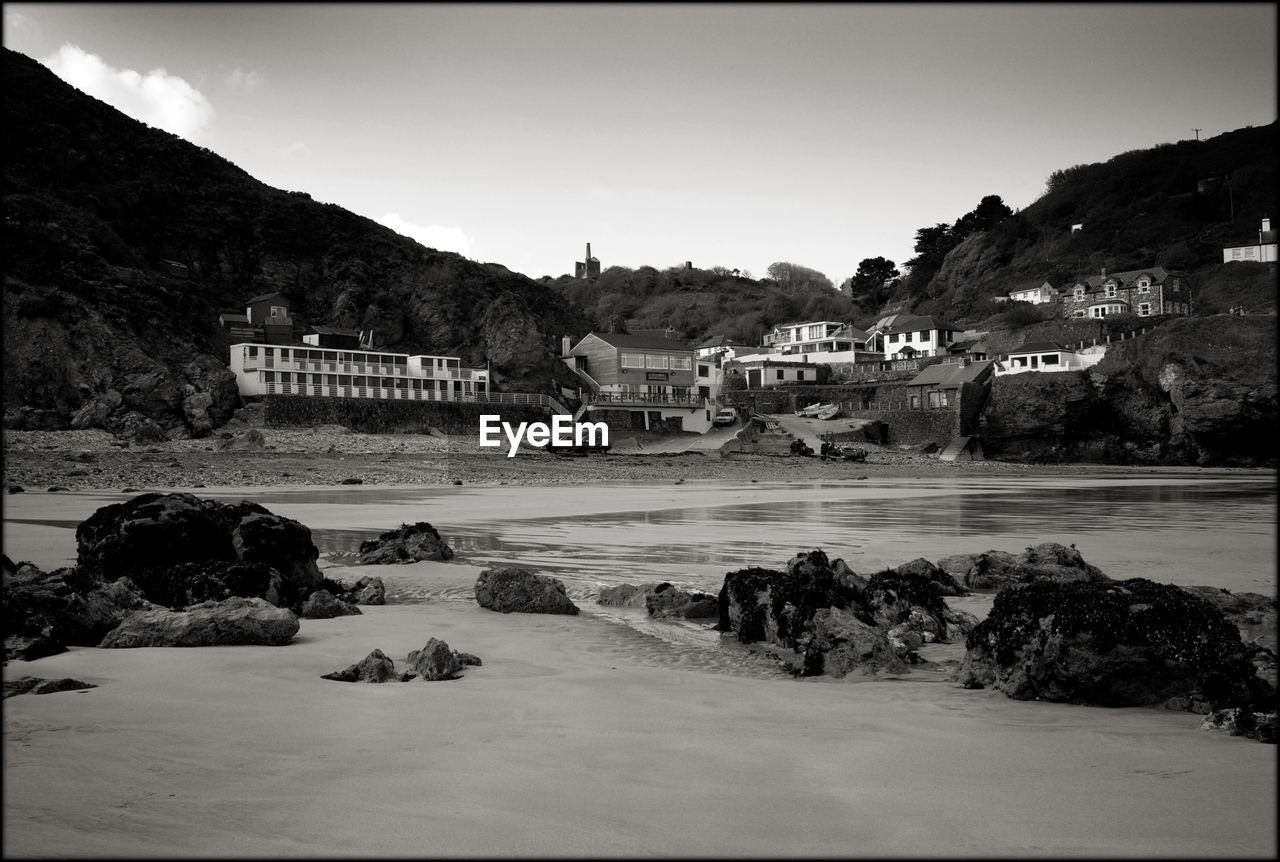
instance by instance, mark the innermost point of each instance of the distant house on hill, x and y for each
(939, 385)
(1036, 293)
(719, 345)
(764, 373)
(1262, 251)
(813, 336)
(265, 319)
(1144, 292)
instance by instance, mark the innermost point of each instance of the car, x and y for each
(727, 416)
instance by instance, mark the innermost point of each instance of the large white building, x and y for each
(273, 369)
(1262, 251)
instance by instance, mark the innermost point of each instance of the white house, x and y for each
(1262, 251)
(720, 346)
(815, 336)
(766, 373)
(909, 337)
(1036, 294)
(271, 369)
(1047, 356)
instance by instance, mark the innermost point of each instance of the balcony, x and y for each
(645, 399)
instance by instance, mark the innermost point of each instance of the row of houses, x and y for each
(1143, 292)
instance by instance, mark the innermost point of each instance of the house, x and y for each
(721, 346)
(939, 385)
(764, 373)
(791, 339)
(236, 325)
(909, 336)
(649, 374)
(973, 348)
(1047, 356)
(1144, 292)
(270, 313)
(1034, 293)
(1262, 251)
(332, 336)
(268, 369)
(588, 268)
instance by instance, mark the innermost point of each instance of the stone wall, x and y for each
(915, 427)
(378, 416)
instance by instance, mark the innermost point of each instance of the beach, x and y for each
(607, 734)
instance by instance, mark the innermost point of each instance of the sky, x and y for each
(722, 134)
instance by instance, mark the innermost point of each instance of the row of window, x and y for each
(303, 354)
(922, 335)
(355, 380)
(1144, 310)
(1111, 290)
(661, 361)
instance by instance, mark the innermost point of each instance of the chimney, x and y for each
(588, 257)
(688, 264)
(1104, 272)
(1266, 225)
(566, 345)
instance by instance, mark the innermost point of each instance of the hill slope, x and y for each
(95, 200)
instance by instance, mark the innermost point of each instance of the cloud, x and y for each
(17, 24)
(297, 148)
(432, 236)
(156, 98)
(244, 80)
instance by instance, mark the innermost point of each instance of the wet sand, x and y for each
(595, 735)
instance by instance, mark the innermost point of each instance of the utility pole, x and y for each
(1197, 131)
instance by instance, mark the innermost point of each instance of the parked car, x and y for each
(727, 416)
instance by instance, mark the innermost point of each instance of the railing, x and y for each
(533, 399)
(644, 398)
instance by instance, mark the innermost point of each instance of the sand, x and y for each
(600, 735)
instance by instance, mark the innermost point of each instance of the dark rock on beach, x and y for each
(322, 605)
(993, 570)
(436, 661)
(1243, 722)
(375, 667)
(1112, 643)
(661, 600)
(408, 543)
(234, 621)
(516, 590)
(36, 685)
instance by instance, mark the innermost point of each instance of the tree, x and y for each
(989, 212)
(871, 284)
(793, 275)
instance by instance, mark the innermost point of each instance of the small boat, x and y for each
(829, 412)
(814, 410)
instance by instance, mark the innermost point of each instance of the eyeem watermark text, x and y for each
(563, 431)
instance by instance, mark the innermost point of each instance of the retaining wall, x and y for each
(378, 416)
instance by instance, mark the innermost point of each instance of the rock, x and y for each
(467, 658)
(408, 543)
(321, 605)
(365, 591)
(661, 600)
(1054, 562)
(910, 597)
(1243, 722)
(513, 589)
(847, 576)
(921, 567)
(36, 685)
(352, 482)
(959, 623)
(16, 489)
(435, 661)
(990, 570)
(233, 621)
(375, 667)
(183, 584)
(95, 411)
(134, 427)
(87, 617)
(249, 441)
(1111, 643)
(840, 644)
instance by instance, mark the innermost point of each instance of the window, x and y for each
(1049, 359)
(923, 335)
(1078, 313)
(681, 363)
(1144, 309)
(279, 311)
(893, 339)
(1144, 285)
(816, 332)
(1111, 291)
(915, 401)
(253, 352)
(704, 370)
(779, 373)
(1079, 293)
(655, 360)
(633, 360)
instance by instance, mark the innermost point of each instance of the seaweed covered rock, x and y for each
(1243, 722)
(323, 605)
(920, 567)
(1111, 643)
(179, 548)
(839, 644)
(509, 590)
(989, 570)
(436, 661)
(408, 543)
(910, 597)
(778, 607)
(37, 685)
(232, 622)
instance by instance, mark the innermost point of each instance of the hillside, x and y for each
(95, 200)
(1173, 205)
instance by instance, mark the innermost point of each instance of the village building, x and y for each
(265, 319)
(268, 369)
(1047, 356)
(722, 347)
(939, 385)
(587, 268)
(766, 373)
(332, 336)
(910, 336)
(649, 374)
(790, 339)
(1036, 293)
(1144, 292)
(1262, 251)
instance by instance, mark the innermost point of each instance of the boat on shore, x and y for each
(819, 411)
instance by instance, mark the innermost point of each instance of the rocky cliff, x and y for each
(1193, 391)
(100, 333)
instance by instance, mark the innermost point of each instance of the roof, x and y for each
(1158, 275)
(952, 374)
(233, 317)
(263, 296)
(722, 341)
(640, 340)
(1030, 285)
(912, 324)
(334, 330)
(1265, 237)
(1039, 347)
(966, 344)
